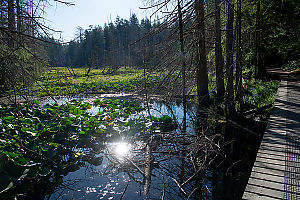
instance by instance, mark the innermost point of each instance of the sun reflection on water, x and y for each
(121, 149)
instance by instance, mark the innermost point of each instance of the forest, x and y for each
(117, 44)
(172, 106)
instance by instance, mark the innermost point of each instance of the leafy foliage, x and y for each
(165, 123)
(18, 68)
(260, 93)
(281, 22)
(291, 66)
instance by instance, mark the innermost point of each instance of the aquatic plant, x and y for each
(42, 140)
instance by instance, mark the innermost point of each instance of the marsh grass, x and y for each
(62, 81)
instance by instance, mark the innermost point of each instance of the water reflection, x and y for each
(121, 149)
(160, 165)
(137, 165)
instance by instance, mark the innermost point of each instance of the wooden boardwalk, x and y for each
(276, 171)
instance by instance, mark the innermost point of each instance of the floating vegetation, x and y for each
(43, 140)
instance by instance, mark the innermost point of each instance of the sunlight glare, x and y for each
(121, 148)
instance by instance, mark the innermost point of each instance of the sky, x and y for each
(89, 12)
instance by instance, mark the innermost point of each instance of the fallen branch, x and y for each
(191, 178)
(139, 169)
(66, 3)
(256, 110)
(123, 193)
(178, 185)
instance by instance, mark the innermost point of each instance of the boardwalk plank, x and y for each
(276, 171)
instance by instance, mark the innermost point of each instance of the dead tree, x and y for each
(218, 53)
(11, 23)
(259, 71)
(182, 56)
(22, 29)
(239, 86)
(202, 76)
(229, 57)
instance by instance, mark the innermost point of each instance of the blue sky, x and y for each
(89, 12)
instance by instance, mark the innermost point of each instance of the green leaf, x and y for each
(28, 121)
(54, 144)
(9, 118)
(10, 185)
(43, 149)
(36, 102)
(77, 111)
(39, 126)
(51, 110)
(81, 133)
(24, 129)
(24, 174)
(21, 161)
(11, 154)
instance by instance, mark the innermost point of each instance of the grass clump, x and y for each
(291, 66)
(260, 93)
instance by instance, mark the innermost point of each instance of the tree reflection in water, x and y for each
(161, 164)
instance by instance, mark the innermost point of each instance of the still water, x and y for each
(133, 166)
(215, 163)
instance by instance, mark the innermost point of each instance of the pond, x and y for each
(133, 165)
(139, 158)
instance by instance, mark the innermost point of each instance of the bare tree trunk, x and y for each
(19, 22)
(239, 84)
(201, 69)
(218, 53)
(145, 83)
(148, 167)
(202, 77)
(2, 4)
(32, 18)
(11, 23)
(229, 57)
(182, 55)
(258, 64)
(91, 65)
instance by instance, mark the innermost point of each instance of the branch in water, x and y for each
(66, 3)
